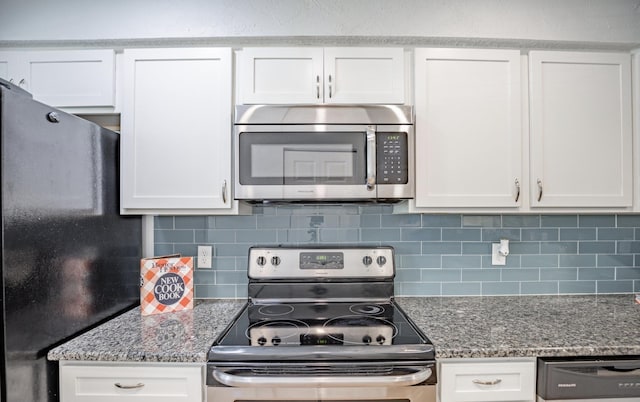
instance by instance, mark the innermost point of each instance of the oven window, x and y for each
(302, 158)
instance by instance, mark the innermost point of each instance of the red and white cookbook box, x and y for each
(166, 284)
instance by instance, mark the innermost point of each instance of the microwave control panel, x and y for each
(392, 157)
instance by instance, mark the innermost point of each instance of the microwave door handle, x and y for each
(371, 158)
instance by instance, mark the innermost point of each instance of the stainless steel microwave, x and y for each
(323, 153)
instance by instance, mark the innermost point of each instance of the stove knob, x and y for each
(366, 260)
(366, 339)
(262, 341)
(275, 260)
(380, 339)
(276, 341)
(381, 260)
(261, 261)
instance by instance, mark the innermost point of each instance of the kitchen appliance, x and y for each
(586, 379)
(324, 153)
(321, 324)
(69, 260)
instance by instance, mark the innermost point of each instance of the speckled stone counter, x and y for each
(495, 326)
(183, 336)
(528, 326)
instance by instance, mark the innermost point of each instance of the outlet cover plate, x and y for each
(205, 255)
(496, 257)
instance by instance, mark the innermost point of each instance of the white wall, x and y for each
(597, 21)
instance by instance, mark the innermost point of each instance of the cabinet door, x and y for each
(176, 129)
(4, 66)
(580, 129)
(487, 380)
(12, 67)
(280, 75)
(130, 382)
(364, 75)
(468, 128)
(70, 78)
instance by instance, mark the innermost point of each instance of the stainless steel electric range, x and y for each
(321, 324)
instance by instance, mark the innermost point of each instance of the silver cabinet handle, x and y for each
(317, 86)
(330, 93)
(517, 190)
(490, 382)
(22, 82)
(11, 80)
(134, 386)
(224, 191)
(233, 380)
(371, 158)
(539, 190)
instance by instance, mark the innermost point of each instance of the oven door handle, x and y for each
(233, 380)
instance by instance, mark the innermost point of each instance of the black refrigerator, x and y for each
(69, 259)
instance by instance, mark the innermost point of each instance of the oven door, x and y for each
(277, 383)
(304, 162)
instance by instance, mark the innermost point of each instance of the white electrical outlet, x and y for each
(496, 257)
(205, 255)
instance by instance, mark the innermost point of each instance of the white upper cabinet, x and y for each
(280, 75)
(63, 78)
(321, 75)
(581, 131)
(468, 128)
(364, 75)
(176, 130)
(4, 66)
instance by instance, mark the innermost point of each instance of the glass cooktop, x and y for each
(335, 324)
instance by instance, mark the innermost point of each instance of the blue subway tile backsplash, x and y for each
(436, 254)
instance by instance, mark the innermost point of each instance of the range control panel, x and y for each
(392, 158)
(276, 335)
(292, 263)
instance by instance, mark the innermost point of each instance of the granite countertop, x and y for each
(183, 336)
(495, 326)
(504, 326)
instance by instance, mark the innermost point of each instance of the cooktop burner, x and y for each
(321, 304)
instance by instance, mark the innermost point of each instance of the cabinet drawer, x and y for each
(130, 383)
(487, 381)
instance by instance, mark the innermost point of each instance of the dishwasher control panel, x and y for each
(588, 378)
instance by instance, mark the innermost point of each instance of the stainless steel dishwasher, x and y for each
(586, 379)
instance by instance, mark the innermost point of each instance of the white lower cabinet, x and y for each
(487, 380)
(140, 382)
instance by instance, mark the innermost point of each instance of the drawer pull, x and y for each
(481, 382)
(123, 386)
